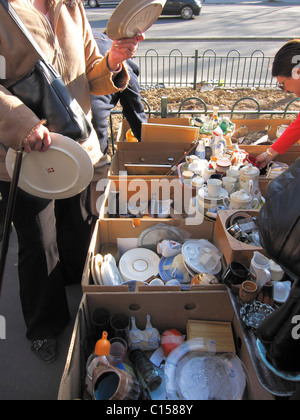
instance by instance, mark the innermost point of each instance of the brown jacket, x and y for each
(69, 45)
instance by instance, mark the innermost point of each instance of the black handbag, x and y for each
(45, 93)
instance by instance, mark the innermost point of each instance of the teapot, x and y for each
(241, 200)
(249, 180)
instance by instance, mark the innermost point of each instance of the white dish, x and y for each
(282, 291)
(192, 251)
(109, 272)
(63, 171)
(97, 261)
(139, 264)
(132, 17)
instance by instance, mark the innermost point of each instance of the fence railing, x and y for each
(205, 69)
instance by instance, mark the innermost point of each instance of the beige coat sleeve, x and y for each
(17, 120)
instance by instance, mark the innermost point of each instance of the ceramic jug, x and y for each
(260, 269)
(249, 180)
(241, 200)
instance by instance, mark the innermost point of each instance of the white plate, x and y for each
(110, 274)
(139, 264)
(63, 171)
(191, 252)
(97, 261)
(132, 17)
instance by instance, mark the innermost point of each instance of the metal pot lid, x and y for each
(132, 17)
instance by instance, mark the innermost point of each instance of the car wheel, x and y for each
(93, 3)
(187, 13)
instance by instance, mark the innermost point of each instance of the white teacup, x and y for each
(229, 183)
(214, 187)
(233, 173)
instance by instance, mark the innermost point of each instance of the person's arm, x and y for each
(131, 101)
(19, 126)
(290, 136)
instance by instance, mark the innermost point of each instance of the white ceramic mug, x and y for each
(229, 183)
(214, 187)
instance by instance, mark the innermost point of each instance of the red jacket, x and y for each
(290, 136)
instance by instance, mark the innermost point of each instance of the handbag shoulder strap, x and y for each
(16, 18)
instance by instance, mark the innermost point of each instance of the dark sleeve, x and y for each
(131, 101)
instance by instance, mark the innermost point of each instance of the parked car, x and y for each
(97, 3)
(187, 9)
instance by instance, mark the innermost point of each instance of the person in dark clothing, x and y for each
(130, 99)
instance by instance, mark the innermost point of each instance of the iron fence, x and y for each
(206, 70)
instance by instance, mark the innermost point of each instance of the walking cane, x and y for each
(9, 213)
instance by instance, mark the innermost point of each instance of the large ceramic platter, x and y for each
(139, 264)
(132, 17)
(63, 171)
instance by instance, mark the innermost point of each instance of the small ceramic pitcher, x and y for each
(260, 269)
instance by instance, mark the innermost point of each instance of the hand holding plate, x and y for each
(122, 50)
(39, 140)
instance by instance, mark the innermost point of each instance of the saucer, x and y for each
(139, 264)
(203, 193)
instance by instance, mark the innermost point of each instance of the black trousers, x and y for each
(53, 239)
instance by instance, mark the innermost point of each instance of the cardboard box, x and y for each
(124, 126)
(146, 153)
(124, 233)
(168, 310)
(167, 133)
(232, 249)
(271, 126)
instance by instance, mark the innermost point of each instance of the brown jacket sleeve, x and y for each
(18, 120)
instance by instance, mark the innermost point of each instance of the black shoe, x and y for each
(45, 349)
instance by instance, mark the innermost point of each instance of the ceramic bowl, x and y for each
(252, 314)
(281, 291)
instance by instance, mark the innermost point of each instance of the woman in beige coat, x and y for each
(53, 236)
